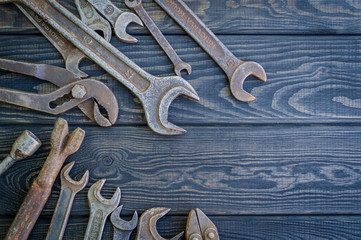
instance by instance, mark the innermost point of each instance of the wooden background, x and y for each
(286, 166)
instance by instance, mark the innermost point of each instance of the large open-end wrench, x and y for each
(62, 145)
(155, 93)
(147, 228)
(123, 229)
(100, 208)
(178, 63)
(236, 70)
(69, 188)
(118, 18)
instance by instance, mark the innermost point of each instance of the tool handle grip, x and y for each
(6, 164)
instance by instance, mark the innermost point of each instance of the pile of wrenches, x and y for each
(199, 226)
(77, 39)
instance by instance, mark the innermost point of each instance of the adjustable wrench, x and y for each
(236, 70)
(62, 145)
(178, 63)
(147, 228)
(155, 93)
(69, 188)
(100, 208)
(118, 18)
(123, 229)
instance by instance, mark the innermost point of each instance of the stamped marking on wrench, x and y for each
(123, 229)
(236, 70)
(178, 63)
(69, 188)
(100, 208)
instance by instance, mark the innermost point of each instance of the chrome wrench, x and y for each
(178, 63)
(155, 93)
(123, 229)
(118, 18)
(69, 188)
(100, 208)
(236, 70)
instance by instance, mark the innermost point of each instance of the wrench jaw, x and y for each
(72, 63)
(243, 71)
(122, 22)
(103, 27)
(182, 66)
(94, 195)
(120, 223)
(66, 180)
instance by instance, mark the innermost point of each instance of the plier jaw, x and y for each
(200, 227)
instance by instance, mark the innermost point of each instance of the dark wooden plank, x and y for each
(230, 227)
(236, 17)
(223, 170)
(311, 79)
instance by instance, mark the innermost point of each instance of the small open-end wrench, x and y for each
(178, 63)
(62, 145)
(123, 229)
(236, 70)
(118, 18)
(69, 188)
(100, 208)
(200, 227)
(24, 146)
(155, 93)
(61, 77)
(147, 228)
(91, 17)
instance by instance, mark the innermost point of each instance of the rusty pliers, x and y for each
(86, 94)
(200, 227)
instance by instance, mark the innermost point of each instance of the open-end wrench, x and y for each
(118, 18)
(69, 188)
(147, 228)
(236, 70)
(178, 63)
(100, 208)
(200, 227)
(62, 145)
(61, 77)
(123, 229)
(155, 93)
(24, 146)
(91, 17)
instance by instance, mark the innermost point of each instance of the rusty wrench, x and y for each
(155, 93)
(62, 145)
(178, 63)
(69, 188)
(147, 228)
(100, 208)
(236, 70)
(200, 227)
(123, 229)
(118, 18)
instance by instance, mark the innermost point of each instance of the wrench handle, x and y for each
(95, 226)
(194, 26)
(6, 164)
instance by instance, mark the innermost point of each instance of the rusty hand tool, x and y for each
(91, 17)
(24, 146)
(147, 228)
(236, 70)
(123, 229)
(178, 63)
(155, 93)
(100, 208)
(200, 227)
(69, 188)
(118, 18)
(62, 145)
(83, 92)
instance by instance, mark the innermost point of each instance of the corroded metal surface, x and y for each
(122, 228)
(200, 227)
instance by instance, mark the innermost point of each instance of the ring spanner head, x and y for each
(68, 182)
(121, 24)
(243, 71)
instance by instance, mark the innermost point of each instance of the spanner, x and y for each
(147, 229)
(178, 63)
(62, 145)
(118, 18)
(200, 227)
(69, 188)
(100, 208)
(236, 70)
(155, 93)
(123, 229)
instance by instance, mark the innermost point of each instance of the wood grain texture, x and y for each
(223, 170)
(235, 17)
(311, 79)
